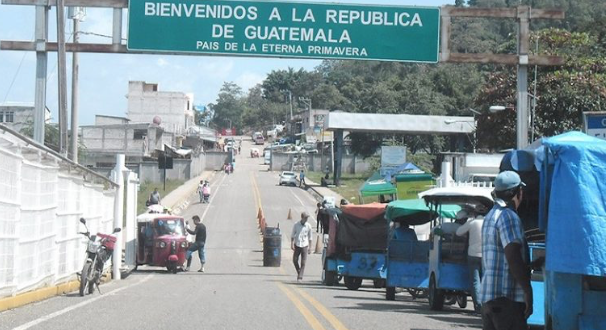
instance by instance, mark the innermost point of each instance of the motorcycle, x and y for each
(99, 249)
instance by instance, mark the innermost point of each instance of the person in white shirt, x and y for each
(300, 241)
(474, 254)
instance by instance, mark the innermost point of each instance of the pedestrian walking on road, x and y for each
(302, 179)
(154, 197)
(473, 226)
(200, 191)
(505, 291)
(300, 241)
(200, 233)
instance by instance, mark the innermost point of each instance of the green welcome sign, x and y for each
(285, 29)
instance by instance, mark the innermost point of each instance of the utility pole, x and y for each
(75, 16)
(290, 101)
(41, 71)
(522, 84)
(62, 72)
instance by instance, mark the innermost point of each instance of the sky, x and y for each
(103, 78)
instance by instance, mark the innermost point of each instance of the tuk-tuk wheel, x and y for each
(331, 278)
(353, 283)
(462, 300)
(436, 296)
(390, 293)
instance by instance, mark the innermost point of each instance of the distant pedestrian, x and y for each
(473, 226)
(154, 197)
(200, 191)
(206, 192)
(505, 291)
(302, 179)
(200, 233)
(300, 241)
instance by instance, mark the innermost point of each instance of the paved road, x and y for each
(236, 292)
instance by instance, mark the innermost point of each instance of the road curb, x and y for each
(44, 293)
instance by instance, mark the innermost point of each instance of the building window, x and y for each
(1, 117)
(139, 134)
(9, 117)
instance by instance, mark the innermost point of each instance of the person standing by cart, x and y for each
(505, 291)
(300, 241)
(200, 233)
(473, 226)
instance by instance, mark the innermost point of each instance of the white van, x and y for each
(267, 157)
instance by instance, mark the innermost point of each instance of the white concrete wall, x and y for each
(350, 163)
(40, 205)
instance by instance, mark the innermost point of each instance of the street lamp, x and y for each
(497, 108)
(474, 126)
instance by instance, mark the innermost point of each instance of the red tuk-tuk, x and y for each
(162, 241)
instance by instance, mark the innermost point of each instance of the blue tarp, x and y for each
(576, 229)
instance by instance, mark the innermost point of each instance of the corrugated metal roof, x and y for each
(389, 123)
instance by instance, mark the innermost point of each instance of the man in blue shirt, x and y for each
(505, 293)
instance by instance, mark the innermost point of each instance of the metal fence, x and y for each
(42, 198)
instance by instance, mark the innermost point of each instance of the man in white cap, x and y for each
(300, 241)
(505, 291)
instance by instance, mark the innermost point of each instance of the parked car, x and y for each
(288, 178)
(259, 140)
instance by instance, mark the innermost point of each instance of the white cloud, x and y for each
(162, 62)
(248, 80)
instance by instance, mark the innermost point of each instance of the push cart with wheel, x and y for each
(448, 271)
(356, 245)
(408, 247)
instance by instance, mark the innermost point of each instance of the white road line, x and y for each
(84, 303)
(297, 197)
(212, 198)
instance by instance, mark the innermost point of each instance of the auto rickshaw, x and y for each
(356, 246)
(448, 270)
(407, 249)
(162, 241)
(564, 198)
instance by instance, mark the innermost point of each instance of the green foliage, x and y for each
(51, 138)
(564, 93)
(449, 89)
(229, 107)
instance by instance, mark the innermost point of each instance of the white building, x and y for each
(175, 109)
(18, 115)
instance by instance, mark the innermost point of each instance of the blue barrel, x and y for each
(272, 247)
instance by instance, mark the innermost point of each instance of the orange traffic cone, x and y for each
(289, 217)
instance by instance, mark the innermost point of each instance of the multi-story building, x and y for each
(115, 135)
(18, 115)
(174, 109)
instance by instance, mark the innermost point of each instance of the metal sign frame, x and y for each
(522, 14)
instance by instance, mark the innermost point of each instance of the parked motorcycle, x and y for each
(99, 249)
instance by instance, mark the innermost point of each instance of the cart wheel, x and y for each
(462, 300)
(377, 284)
(331, 278)
(390, 293)
(353, 283)
(436, 296)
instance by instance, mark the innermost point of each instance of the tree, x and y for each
(229, 107)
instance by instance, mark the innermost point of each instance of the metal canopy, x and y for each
(390, 123)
